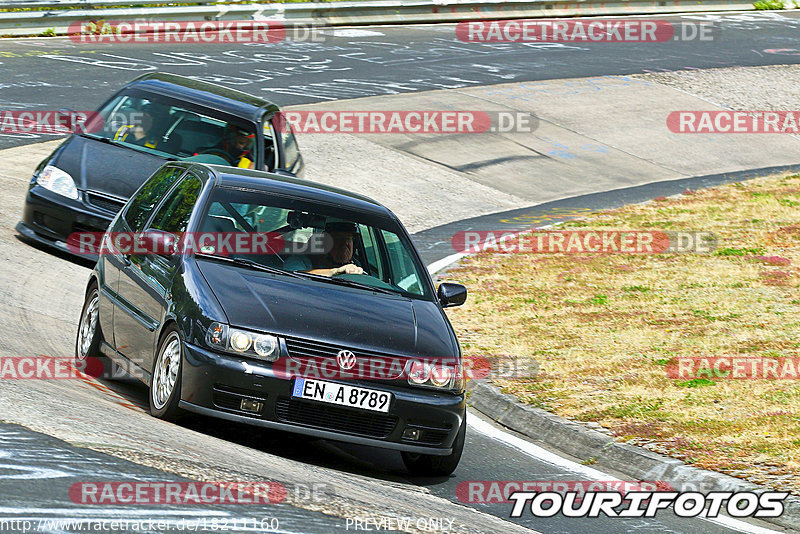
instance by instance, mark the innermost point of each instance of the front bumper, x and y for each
(215, 384)
(50, 219)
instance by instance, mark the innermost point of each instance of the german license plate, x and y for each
(341, 394)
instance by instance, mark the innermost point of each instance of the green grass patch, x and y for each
(745, 251)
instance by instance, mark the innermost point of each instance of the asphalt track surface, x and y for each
(341, 63)
(49, 74)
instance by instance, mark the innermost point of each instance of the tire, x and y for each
(165, 384)
(88, 358)
(428, 465)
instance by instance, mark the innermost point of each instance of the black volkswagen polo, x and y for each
(155, 118)
(272, 301)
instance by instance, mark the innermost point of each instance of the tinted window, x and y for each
(372, 259)
(176, 210)
(404, 270)
(290, 149)
(270, 146)
(319, 237)
(149, 195)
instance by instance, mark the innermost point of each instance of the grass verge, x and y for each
(605, 327)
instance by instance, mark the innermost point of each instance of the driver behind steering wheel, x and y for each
(237, 146)
(339, 240)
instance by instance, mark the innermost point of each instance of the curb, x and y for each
(640, 464)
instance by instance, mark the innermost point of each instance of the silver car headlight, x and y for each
(59, 182)
(243, 342)
(435, 375)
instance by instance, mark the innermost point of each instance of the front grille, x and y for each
(328, 417)
(384, 366)
(105, 203)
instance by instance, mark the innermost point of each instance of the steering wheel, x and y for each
(218, 152)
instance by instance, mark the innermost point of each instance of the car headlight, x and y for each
(243, 342)
(434, 375)
(57, 181)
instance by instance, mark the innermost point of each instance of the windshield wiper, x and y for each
(251, 264)
(106, 140)
(347, 282)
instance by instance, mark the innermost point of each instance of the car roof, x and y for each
(205, 94)
(289, 186)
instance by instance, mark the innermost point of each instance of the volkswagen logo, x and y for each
(346, 359)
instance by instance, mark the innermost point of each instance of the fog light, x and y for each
(412, 433)
(251, 406)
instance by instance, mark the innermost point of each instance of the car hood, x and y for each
(328, 313)
(97, 166)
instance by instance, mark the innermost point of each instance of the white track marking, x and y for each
(355, 32)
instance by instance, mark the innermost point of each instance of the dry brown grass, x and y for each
(603, 327)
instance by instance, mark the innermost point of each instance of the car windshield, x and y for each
(153, 124)
(310, 239)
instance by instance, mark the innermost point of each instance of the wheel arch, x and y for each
(93, 279)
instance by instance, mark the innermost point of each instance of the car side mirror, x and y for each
(450, 294)
(159, 242)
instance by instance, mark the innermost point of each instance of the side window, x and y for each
(374, 264)
(270, 146)
(175, 212)
(147, 198)
(290, 149)
(403, 271)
